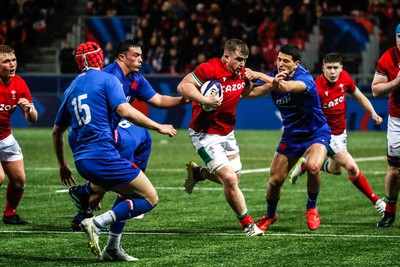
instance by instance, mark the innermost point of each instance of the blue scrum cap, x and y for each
(398, 29)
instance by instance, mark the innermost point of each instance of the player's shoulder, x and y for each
(19, 82)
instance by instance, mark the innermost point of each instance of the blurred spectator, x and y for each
(16, 37)
(256, 60)
(67, 59)
(285, 27)
(108, 53)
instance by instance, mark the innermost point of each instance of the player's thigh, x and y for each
(140, 187)
(15, 171)
(280, 166)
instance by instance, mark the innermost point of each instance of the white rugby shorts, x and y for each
(10, 149)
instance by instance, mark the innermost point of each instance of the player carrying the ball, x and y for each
(212, 133)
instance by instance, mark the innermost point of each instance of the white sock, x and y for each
(114, 241)
(105, 219)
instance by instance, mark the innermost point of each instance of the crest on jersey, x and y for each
(134, 85)
(341, 87)
(13, 96)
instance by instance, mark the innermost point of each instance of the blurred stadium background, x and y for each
(177, 35)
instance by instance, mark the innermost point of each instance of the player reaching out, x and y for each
(332, 85)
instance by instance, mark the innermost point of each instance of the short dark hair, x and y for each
(332, 58)
(233, 45)
(123, 46)
(291, 50)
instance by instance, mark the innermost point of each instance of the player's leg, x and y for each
(316, 154)
(15, 190)
(13, 166)
(280, 166)
(138, 197)
(392, 179)
(343, 158)
(228, 172)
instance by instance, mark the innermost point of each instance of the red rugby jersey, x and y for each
(333, 100)
(9, 96)
(222, 120)
(389, 66)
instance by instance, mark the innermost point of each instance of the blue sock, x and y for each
(271, 207)
(312, 200)
(130, 208)
(117, 227)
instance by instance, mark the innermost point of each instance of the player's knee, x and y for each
(312, 168)
(275, 181)
(352, 170)
(153, 199)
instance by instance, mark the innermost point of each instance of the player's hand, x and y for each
(250, 75)
(24, 104)
(213, 100)
(167, 129)
(377, 119)
(66, 176)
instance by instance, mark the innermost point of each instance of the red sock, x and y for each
(197, 174)
(13, 197)
(362, 184)
(247, 219)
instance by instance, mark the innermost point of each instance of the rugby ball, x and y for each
(208, 88)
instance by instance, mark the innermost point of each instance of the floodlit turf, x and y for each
(200, 229)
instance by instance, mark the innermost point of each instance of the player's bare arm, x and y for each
(133, 115)
(381, 86)
(364, 102)
(281, 84)
(258, 90)
(166, 101)
(58, 143)
(188, 88)
(29, 110)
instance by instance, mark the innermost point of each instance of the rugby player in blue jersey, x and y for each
(128, 61)
(88, 110)
(306, 131)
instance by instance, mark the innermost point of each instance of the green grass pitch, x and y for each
(200, 229)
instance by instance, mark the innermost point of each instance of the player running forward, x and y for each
(332, 86)
(87, 110)
(14, 93)
(212, 133)
(294, 93)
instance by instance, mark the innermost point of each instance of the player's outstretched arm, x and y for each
(133, 115)
(58, 144)
(364, 102)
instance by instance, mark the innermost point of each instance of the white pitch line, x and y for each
(211, 234)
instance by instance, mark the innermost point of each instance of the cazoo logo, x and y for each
(233, 87)
(7, 107)
(334, 102)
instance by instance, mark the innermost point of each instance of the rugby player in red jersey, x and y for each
(13, 93)
(387, 82)
(332, 86)
(212, 133)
